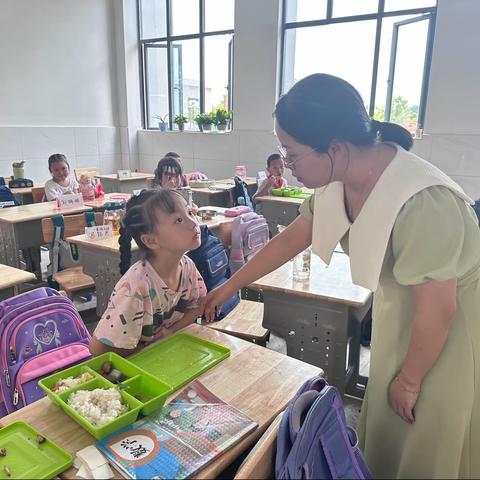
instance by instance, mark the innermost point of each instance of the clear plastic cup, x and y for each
(301, 265)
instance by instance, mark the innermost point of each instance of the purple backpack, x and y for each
(313, 440)
(40, 332)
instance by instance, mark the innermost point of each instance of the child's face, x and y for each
(178, 232)
(59, 171)
(276, 168)
(170, 180)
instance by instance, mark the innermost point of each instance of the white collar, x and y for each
(369, 234)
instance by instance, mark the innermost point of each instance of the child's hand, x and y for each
(215, 299)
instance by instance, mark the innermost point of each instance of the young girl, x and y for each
(161, 293)
(61, 182)
(183, 178)
(169, 174)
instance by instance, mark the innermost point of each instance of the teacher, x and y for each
(412, 239)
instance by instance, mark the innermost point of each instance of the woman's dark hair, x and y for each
(167, 165)
(140, 219)
(272, 158)
(321, 108)
(56, 157)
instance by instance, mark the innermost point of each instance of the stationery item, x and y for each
(124, 173)
(179, 440)
(71, 200)
(92, 464)
(99, 232)
(236, 211)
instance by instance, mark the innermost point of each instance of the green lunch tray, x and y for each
(142, 392)
(26, 458)
(179, 359)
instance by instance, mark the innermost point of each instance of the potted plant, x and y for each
(18, 170)
(204, 122)
(162, 122)
(222, 118)
(180, 121)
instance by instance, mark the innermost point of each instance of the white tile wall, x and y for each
(83, 146)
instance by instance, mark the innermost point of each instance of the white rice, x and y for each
(98, 406)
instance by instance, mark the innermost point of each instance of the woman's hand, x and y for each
(402, 397)
(216, 298)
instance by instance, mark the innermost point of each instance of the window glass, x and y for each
(219, 15)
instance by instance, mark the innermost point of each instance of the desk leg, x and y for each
(9, 249)
(8, 292)
(318, 332)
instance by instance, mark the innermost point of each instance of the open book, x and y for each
(178, 440)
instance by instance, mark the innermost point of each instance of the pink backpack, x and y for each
(249, 235)
(40, 332)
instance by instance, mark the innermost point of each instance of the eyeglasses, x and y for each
(290, 163)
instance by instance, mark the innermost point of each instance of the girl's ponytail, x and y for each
(125, 242)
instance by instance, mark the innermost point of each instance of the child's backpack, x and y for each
(211, 261)
(63, 254)
(240, 193)
(249, 234)
(40, 332)
(313, 440)
(7, 199)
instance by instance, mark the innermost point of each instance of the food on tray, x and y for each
(3, 452)
(40, 439)
(99, 406)
(69, 382)
(7, 471)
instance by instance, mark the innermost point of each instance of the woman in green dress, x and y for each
(414, 240)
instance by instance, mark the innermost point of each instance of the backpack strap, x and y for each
(58, 232)
(90, 219)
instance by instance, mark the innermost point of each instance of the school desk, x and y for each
(99, 203)
(257, 381)
(320, 318)
(24, 195)
(279, 210)
(21, 228)
(112, 184)
(10, 279)
(101, 258)
(220, 193)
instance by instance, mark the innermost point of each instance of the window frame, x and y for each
(379, 15)
(168, 40)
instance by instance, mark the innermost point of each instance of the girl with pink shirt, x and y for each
(161, 293)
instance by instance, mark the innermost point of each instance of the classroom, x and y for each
(239, 239)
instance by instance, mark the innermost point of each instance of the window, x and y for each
(186, 58)
(382, 47)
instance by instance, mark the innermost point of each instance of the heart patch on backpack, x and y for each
(45, 333)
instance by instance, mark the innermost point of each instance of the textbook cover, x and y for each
(178, 440)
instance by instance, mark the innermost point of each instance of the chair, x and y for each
(244, 321)
(89, 171)
(38, 194)
(260, 462)
(71, 279)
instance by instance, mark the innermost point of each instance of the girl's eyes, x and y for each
(190, 213)
(179, 220)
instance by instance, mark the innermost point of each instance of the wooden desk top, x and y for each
(257, 381)
(276, 198)
(332, 282)
(135, 176)
(23, 191)
(222, 185)
(36, 211)
(111, 244)
(99, 203)
(10, 276)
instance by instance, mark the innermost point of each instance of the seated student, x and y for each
(61, 183)
(184, 179)
(169, 174)
(275, 169)
(164, 291)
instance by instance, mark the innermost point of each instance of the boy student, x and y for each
(275, 169)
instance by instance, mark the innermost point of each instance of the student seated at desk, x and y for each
(183, 178)
(169, 174)
(275, 170)
(161, 293)
(61, 183)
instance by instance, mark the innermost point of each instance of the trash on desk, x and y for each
(92, 464)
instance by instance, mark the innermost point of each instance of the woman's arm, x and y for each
(283, 247)
(435, 306)
(96, 348)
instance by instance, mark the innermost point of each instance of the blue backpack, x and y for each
(313, 440)
(240, 194)
(7, 198)
(211, 261)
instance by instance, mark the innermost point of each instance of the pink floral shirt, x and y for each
(141, 304)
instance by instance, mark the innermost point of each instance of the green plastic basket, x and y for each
(26, 458)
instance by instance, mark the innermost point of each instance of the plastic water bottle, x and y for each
(301, 265)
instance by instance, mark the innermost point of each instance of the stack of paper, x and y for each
(92, 464)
